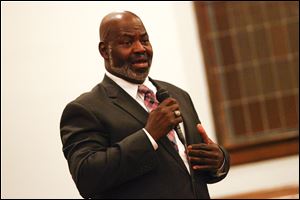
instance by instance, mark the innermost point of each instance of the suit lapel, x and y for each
(124, 101)
(128, 104)
(166, 144)
(184, 115)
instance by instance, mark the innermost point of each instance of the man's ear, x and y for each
(103, 50)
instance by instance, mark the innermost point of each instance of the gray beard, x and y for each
(125, 71)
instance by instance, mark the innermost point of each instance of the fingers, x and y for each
(200, 146)
(203, 168)
(200, 164)
(203, 161)
(168, 102)
(203, 154)
(207, 162)
(203, 134)
(204, 150)
(163, 119)
(169, 107)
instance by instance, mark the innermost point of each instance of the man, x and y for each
(120, 141)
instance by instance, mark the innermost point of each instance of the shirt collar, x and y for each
(130, 88)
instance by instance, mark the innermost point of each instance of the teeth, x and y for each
(140, 64)
(140, 61)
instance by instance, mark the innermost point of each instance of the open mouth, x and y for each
(140, 63)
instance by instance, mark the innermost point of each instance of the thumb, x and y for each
(203, 134)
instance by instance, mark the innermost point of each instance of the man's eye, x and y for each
(145, 41)
(127, 42)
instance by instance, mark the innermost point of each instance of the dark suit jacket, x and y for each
(110, 156)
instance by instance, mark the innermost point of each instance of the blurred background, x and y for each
(238, 60)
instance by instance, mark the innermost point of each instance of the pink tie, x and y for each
(151, 103)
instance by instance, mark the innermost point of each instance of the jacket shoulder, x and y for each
(90, 96)
(170, 87)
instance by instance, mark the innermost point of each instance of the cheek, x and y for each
(149, 51)
(120, 56)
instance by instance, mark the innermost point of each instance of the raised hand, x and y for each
(205, 156)
(203, 134)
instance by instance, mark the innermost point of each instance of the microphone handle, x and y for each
(180, 134)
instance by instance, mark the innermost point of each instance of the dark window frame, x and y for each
(268, 146)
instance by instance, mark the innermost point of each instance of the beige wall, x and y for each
(49, 56)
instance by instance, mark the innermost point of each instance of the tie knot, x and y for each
(149, 97)
(144, 89)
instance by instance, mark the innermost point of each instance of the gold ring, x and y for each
(177, 113)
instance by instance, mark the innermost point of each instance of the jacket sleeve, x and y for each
(94, 163)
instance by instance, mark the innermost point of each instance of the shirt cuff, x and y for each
(154, 144)
(220, 171)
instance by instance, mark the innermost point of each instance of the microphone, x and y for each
(161, 95)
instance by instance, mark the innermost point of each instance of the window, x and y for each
(251, 53)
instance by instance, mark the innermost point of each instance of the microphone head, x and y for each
(162, 94)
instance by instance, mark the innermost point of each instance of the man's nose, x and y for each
(138, 47)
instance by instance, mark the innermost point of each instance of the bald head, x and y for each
(125, 46)
(115, 21)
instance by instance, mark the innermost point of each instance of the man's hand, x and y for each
(205, 156)
(162, 120)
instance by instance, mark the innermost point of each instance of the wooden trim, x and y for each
(263, 152)
(288, 192)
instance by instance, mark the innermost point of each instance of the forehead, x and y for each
(127, 26)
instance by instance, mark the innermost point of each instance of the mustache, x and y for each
(139, 57)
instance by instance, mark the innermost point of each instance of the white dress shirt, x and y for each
(132, 90)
